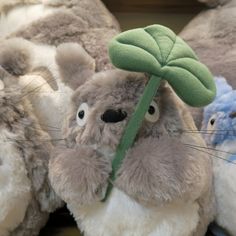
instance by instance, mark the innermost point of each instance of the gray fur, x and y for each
(106, 88)
(14, 56)
(75, 65)
(86, 22)
(74, 169)
(169, 172)
(90, 25)
(34, 145)
(212, 35)
(159, 168)
(16, 59)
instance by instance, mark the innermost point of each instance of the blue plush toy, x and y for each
(219, 131)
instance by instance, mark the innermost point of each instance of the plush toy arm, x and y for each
(157, 171)
(79, 176)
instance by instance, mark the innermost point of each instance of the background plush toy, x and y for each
(219, 129)
(163, 186)
(46, 26)
(37, 75)
(212, 35)
(46, 22)
(26, 197)
(27, 51)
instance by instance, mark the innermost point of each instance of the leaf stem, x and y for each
(132, 128)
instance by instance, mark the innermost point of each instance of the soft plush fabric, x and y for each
(44, 28)
(26, 194)
(88, 23)
(163, 181)
(222, 110)
(30, 30)
(157, 51)
(212, 35)
(219, 130)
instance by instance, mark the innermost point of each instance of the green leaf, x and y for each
(157, 51)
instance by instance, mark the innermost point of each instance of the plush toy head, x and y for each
(219, 123)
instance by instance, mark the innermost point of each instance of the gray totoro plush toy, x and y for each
(164, 186)
(26, 196)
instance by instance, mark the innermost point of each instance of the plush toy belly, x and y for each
(14, 184)
(225, 192)
(122, 216)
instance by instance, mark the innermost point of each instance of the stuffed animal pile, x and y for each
(118, 146)
(34, 101)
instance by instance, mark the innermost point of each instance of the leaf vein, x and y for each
(139, 48)
(162, 59)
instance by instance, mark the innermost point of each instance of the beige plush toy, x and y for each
(26, 197)
(27, 51)
(27, 48)
(163, 187)
(37, 75)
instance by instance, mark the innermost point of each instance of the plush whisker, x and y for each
(37, 88)
(205, 130)
(210, 148)
(50, 127)
(211, 154)
(28, 84)
(216, 132)
(38, 128)
(43, 140)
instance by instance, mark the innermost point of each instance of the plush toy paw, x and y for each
(80, 175)
(157, 171)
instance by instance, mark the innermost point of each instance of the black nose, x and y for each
(113, 116)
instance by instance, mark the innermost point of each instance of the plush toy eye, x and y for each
(153, 113)
(211, 123)
(82, 114)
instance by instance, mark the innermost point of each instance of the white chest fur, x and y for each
(14, 184)
(122, 216)
(225, 188)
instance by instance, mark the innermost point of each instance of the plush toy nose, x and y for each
(113, 116)
(232, 115)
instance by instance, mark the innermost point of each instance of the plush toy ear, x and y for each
(75, 64)
(222, 87)
(14, 56)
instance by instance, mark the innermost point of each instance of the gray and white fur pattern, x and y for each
(26, 194)
(164, 186)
